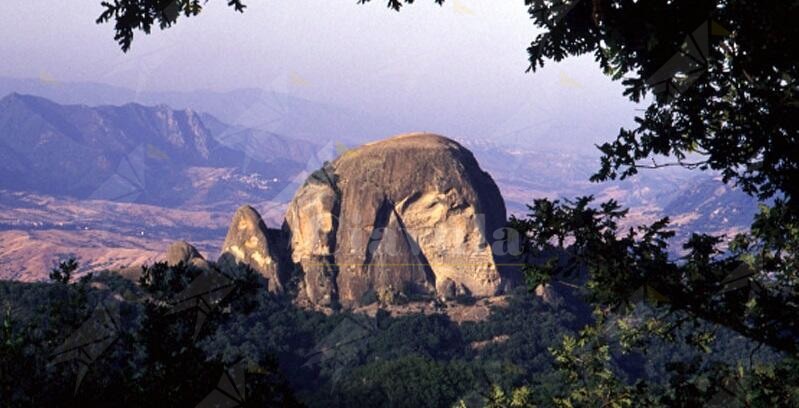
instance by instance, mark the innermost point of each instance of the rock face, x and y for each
(413, 214)
(183, 252)
(248, 242)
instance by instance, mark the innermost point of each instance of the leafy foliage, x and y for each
(516, 356)
(584, 364)
(151, 354)
(436, 366)
(723, 75)
(626, 267)
(63, 273)
(724, 87)
(408, 381)
(131, 15)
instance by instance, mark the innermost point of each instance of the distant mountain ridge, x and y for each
(267, 110)
(136, 153)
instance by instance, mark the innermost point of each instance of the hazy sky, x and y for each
(458, 69)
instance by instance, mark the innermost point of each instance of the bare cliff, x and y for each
(410, 215)
(250, 242)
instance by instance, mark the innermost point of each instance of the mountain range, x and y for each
(110, 184)
(153, 155)
(273, 111)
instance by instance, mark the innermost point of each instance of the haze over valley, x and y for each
(112, 182)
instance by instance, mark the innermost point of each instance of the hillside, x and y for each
(131, 153)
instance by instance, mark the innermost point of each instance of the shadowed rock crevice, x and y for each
(378, 229)
(397, 265)
(418, 255)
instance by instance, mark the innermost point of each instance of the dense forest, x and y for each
(165, 340)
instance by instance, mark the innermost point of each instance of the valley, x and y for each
(90, 182)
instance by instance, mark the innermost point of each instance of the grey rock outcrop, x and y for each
(183, 252)
(413, 214)
(249, 242)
